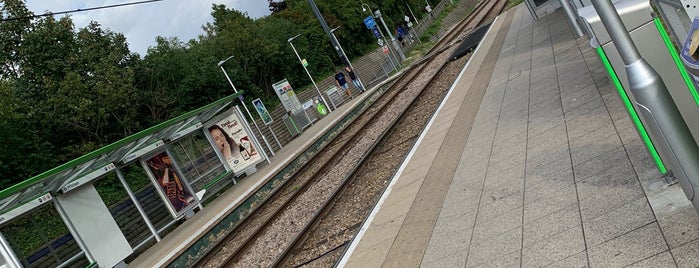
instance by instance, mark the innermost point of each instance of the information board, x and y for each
(287, 96)
(262, 111)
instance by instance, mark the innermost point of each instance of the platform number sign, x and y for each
(369, 22)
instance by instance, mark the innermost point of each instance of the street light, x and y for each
(367, 6)
(377, 14)
(332, 32)
(220, 64)
(308, 73)
(411, 13)
(383, 36)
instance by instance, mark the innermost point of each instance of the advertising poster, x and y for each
(170, 183)
(262, 111)
(287, 96)
(235, 144)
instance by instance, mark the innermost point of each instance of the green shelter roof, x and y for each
(104, 159)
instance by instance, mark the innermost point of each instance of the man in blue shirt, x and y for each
(342, 82)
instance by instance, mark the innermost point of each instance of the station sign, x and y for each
(26, 207)
(87, 177)
(376, 32)
(369, 22)
(135, 153)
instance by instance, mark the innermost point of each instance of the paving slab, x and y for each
(552, 172)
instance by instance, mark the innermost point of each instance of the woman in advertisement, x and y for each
(227, 145)
(234, 143)
(170, 182)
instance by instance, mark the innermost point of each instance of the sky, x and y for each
(142, 23)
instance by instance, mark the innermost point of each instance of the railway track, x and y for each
(324, 241)
(276, 234)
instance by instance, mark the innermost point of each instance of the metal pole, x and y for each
(258, 130)
(138, 206)
(572, 15)
(390, 50)
(377, 14)
(275, 137)
(617, 31)
(415, 35)
(656, 104)
(248, 111)
(8, 254)
(411, 13)
(308, 73)
(320, 18)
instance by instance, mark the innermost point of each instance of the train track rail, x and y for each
(275, 234)
(323, 241)
(484, 10)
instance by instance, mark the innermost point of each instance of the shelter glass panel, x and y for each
(197, 160)
(41, 239)
(148, 197)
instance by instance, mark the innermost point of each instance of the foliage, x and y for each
(513, 3)
(32, 231)
(65, 92)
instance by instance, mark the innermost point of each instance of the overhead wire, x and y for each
(79, 10)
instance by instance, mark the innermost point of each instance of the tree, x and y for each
(24, 152)
(277, 6)
(70, 93)
(12, 33)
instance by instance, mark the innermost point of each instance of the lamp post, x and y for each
(308, 73)
(332, 32)
(411, 13)
(364, 9)
(220, 65)
(377, 14)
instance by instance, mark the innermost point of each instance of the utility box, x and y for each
(291, 126)
(655, 47)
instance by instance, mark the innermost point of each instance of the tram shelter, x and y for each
(108, 206)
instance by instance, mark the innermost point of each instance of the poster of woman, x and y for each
(231, 138)
(170, 182)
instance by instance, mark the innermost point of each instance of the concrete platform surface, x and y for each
(531, 161)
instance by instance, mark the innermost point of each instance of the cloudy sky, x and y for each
(142, 23)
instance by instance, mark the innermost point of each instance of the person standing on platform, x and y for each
(354, 79)
(342, 82)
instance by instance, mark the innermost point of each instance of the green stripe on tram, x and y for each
(632, 112)
(676, 58)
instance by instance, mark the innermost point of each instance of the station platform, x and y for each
(197, 232)
(530, 161)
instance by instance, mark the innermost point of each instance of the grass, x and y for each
(513, 3)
